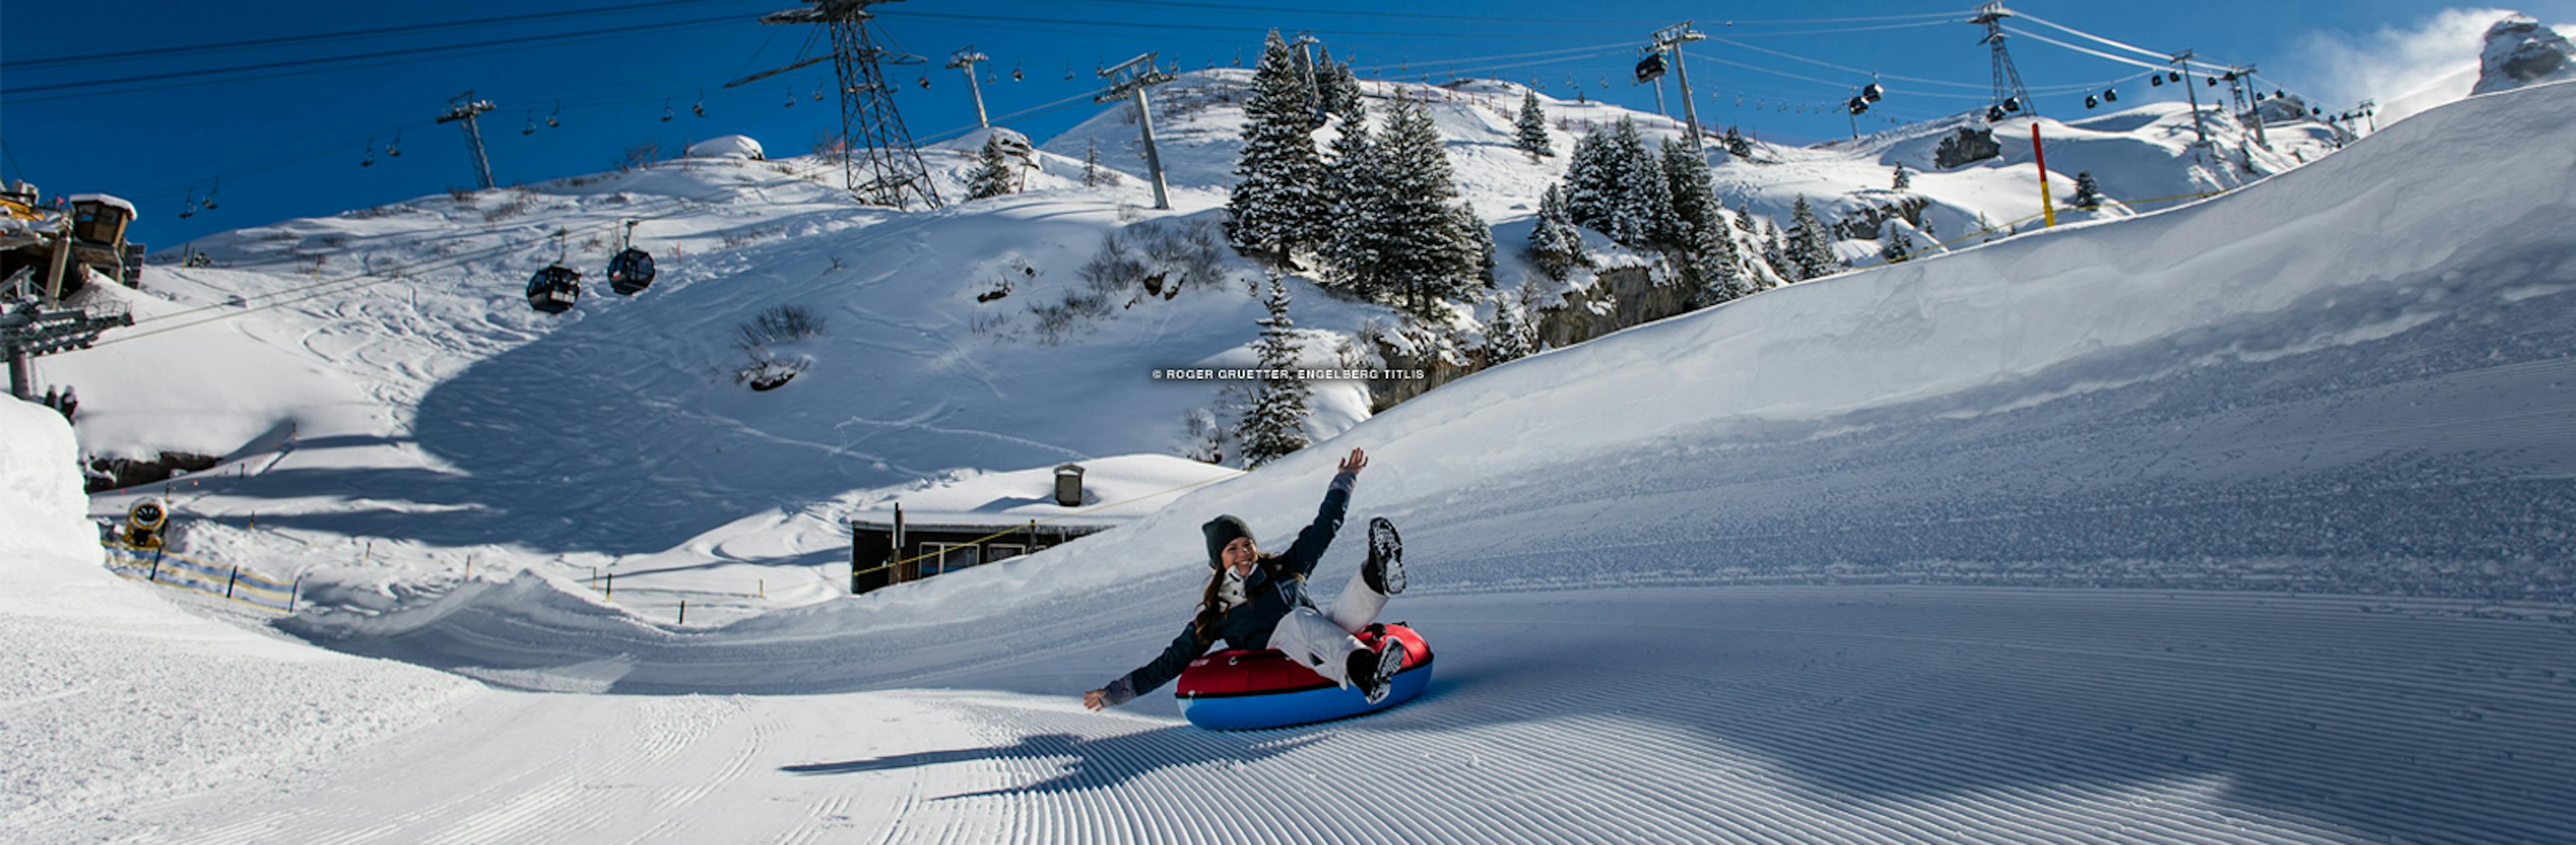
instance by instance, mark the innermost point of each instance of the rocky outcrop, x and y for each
(1969, 144)
(2521, 52)
(1865, 223)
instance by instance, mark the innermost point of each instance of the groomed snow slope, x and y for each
(1824, 564)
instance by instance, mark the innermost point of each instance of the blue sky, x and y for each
(283, 122)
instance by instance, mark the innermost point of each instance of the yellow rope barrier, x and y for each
(2018, 221)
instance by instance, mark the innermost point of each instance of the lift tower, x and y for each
(869, 120)
(462, 108)
(2008, 88)
(1132, 77)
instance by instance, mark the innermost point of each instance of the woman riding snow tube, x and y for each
(1256, 602)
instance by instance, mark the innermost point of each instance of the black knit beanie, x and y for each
(1220, 531)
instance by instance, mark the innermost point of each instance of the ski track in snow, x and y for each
(1755, 714)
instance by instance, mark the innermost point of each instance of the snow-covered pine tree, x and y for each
(1811, 245)
(1744, 220)
(1737, 146)
(1274, 208)
(1308, 85)
(1347, 97)
(1691, 195)
(1591, 184)
(1275, 424)
(1714, 261)
(992, 174)
(1507, 338)
(1554, 244)
(1337, 86)
(1531, 134)
(1091, 175)
(1904, 178)
(1776, 253)
(1357, 190)
(1432, 258)
(1480, 241)
(1896, 245)
(2088, 193)
(1643, 213)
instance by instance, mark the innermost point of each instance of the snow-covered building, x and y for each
(971, 519)
(727, 146)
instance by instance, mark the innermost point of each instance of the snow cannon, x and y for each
(1244, 690)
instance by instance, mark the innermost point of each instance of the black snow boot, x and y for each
(1374, 671)
(1384, 570)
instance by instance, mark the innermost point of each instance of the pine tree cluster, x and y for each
(1383, 210)
(1660, 201)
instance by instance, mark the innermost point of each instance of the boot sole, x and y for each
(1390, 660)
(1386, 550)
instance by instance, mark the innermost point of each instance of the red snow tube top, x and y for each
(1239, 689)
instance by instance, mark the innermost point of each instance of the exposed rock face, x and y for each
(1620, 298)
(1865, 223)
(1970, 144)
(2521, 52)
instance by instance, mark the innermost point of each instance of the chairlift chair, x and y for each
(553, 118)
(209, 202)
(666, 111)
(925, 82)
(2110, 95)
(531, 128)
(791, 98)
(1017, 76)
(2173, 76)
(2012, 104)
(370, 160)
(393, 148)
(554, 289)
(2091, 101)
(2156, 81)
(1872, 93)
(700, 107)
(1994, 113)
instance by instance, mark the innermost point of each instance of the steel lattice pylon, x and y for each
(2007, 78)
(869, 119)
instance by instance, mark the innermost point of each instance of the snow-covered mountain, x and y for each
(2240, 522)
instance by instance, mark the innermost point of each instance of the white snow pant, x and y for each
(1323, 641)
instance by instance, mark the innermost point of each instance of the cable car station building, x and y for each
(924, 530)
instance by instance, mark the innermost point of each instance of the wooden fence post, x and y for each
(684, 611)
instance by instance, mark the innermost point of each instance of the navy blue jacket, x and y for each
(1274, 588)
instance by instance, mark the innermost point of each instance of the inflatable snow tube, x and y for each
(1240, 690)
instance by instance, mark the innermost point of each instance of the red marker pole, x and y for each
(2047, 210)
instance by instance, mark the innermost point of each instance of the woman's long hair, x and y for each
(1212, 609)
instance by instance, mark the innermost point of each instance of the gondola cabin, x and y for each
(554, 290)
(630, 272)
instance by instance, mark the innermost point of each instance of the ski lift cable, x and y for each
(2151, 54)
(409, 29)
(1848, 69)
(1698, 57)
(366, 279)
(1240, 7)
(1465, 60)
(321, 60)
(2088, 50)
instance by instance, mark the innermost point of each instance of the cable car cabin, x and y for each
(1650, 68)
(554, 290)
(630, 272)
